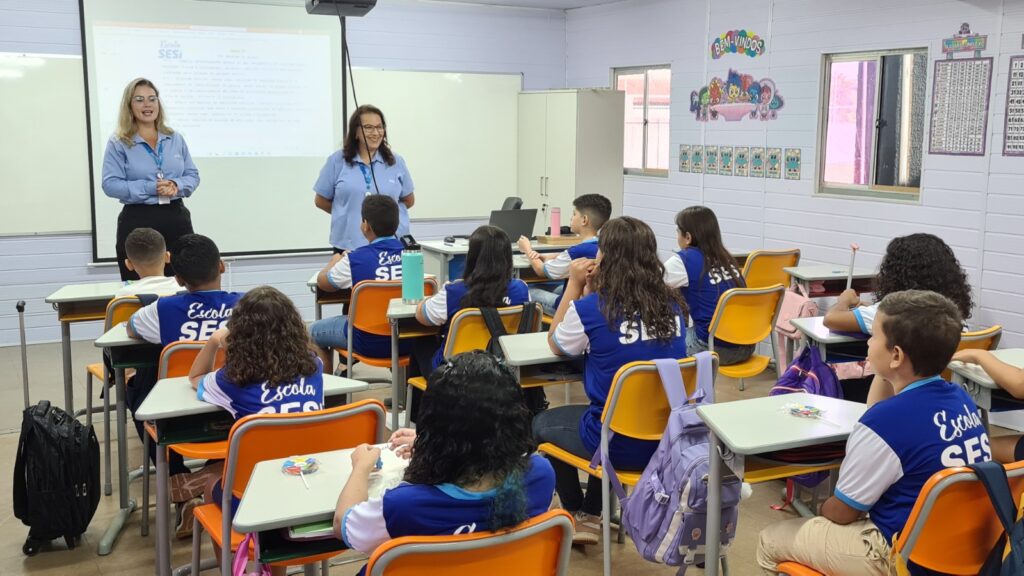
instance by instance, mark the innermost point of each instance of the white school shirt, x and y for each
(675, 272)
(159, 285)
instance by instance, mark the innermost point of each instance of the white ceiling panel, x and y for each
(550, 4)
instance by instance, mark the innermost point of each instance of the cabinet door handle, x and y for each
(541, 184)
(546, 187)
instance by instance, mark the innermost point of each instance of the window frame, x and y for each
(869, 191)
(632, 70)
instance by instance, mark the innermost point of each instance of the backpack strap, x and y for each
(672, 382)
(993, 477)
(528, 318)
(494, 325)
(147, 299)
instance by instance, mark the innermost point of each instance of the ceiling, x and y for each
(550, 4)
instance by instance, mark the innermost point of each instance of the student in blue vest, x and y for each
(589, 213)
(615, 310)
(472, 466)
(194, 315)
(703, 270)
(895, 447)
(260, 375)
(381, 259)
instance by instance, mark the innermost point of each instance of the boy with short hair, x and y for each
(589, 213)
(381, 259)
(146, 255)
(897, 445)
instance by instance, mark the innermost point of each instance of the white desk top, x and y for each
(117, 337)
(397, 310)
(461, 246)
(263, 507)
(174, 397)
(312, 281)
(762, 425)
(528, 349)
(974, 373)
(814, 328)
(814, 273)
(85, 292)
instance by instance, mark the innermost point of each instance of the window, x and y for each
(872, 124)
(648, 95)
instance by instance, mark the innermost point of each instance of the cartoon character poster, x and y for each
(774, 168)
(697, 159)
(736, 97)
(725, 161)
(741, 158)
(711, 159)
(757, 162)
(684, 157)
(792, 163)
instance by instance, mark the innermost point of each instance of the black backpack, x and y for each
(56, 476)
(536, 399)
(993, 476)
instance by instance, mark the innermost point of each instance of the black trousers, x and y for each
(172, 221)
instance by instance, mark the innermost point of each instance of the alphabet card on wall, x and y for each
(725, 161)
(757, 162)
(774, 163)
(792, 163)
(697, 159)
(711, 159)
(736, 97)
(741, 158)
(684, 157)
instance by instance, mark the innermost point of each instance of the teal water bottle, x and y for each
(412, 271)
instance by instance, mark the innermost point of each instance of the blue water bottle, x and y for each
(412, 271)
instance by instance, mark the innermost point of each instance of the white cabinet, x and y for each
(570, 143)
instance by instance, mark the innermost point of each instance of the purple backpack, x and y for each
(666, 514)
(808, 373)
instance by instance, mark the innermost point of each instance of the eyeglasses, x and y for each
(374, 129)
(141, 99)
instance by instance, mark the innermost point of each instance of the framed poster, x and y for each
(725, 160)
(684, 157)
(774, 163)
(697, 159)
(741, 158)
(792, 163)
(960, 98)
(1013, 130)
(711, 159)
(757, 162)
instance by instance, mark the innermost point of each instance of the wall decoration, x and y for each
(964, 41)
(711, 159)
(738, 42)
(725, 161)
(960, 97)
(792, 163)
(1013, 132)
(684, 157)
(774, 163)
(697, 159)
(741, 158)
(736, 97)
(757, 162)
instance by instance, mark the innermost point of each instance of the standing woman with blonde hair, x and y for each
(148, 168)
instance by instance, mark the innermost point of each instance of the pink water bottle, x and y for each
(556, 222)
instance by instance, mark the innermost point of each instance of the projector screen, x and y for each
(255, 90)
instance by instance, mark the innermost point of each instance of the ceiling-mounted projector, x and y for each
(340, 7)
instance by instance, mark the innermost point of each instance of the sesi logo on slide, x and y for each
(169, 50)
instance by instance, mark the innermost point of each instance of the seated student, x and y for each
(589, 213)
(897, 445)
(146, 255)
(194, 315)
(472, 466)
(1009, 448)
(703, 269)
(607, 305)
(261, 375)
(381, 259)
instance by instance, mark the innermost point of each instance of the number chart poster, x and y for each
(960, 98)
(1013, 134)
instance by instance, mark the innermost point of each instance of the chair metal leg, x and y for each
(145, 484)
(325, 567)
(725, 567)
(567, 393)
(108, 487)
(88, 399)
(197, 544)
(743, 386)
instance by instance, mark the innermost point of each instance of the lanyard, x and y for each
(158, 156)
(366, 174)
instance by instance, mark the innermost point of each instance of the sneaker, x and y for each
(401, 403)
(186, 486)
(185, 515)
(588, 529)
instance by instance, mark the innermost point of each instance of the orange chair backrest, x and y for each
(370, 299)
(746, 315)
(468, 331)
(121, 310)
(541, 545)
(764, 268)
(952, 527)
(987, 339)
(177, 357)
(262, 437)
(637, 404)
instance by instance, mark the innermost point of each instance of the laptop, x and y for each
(515, 223)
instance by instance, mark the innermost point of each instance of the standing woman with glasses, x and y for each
(148, 168)
(364, 166)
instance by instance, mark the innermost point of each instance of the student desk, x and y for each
(321, 297)
(833, 276)
(532, 350)
(79, 303)
(180, 416)
(402, 318)
(438, 256)
(124, 352)
(758, 425)
(977, 382)
(816, 333)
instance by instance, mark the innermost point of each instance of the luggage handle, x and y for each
(20, 306)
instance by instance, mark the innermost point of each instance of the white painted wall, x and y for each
(975, 204)
(397, 35)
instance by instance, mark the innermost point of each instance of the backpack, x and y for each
(666, 514)
(795, 304)
(993, 476)
(536, 399)
(56, 475)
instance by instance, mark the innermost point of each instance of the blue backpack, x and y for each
(666, 514)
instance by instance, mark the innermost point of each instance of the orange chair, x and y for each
(540, 545)
(764, 268)
(262, 437)
(118, 310)
(746, 316)
(987, 339)
(368, 312)
(952, 526)
(636, 408)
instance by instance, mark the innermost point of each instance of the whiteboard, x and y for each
(43, 149)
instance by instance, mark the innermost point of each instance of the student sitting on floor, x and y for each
(146, 255)
(897, 445)
(589, 213)
(381, 259)
(472, 466)
(261, 375)
(1010, 448)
